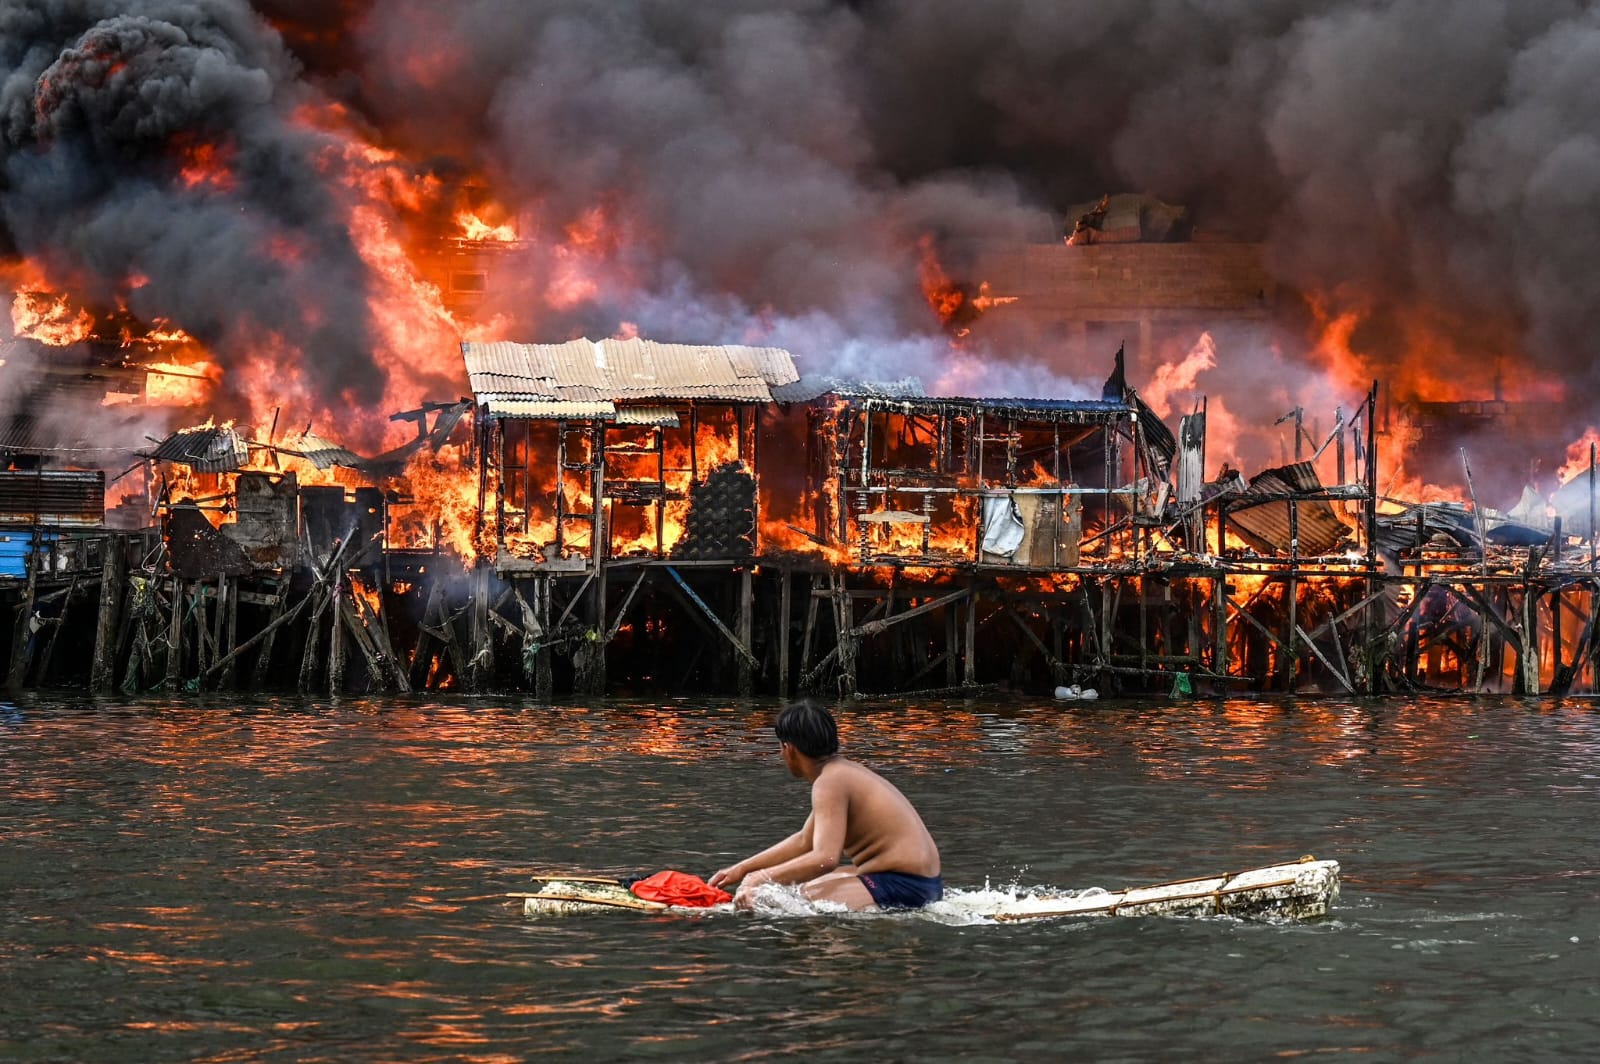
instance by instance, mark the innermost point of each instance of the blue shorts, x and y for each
(901, 890)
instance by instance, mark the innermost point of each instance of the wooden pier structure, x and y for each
(657, 518)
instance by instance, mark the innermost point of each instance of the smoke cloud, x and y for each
(769, 167)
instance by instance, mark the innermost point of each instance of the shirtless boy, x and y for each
(855, 812)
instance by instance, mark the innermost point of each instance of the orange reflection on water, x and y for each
(159, 961)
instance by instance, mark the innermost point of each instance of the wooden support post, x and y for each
(263, 666)
(706, 611)
(812, 604)
(744, 625)
(336, 637)
(785, 589)
(175, 637)
(423, 654)
(844, 614)
(361, 637)
(231, 634)
(1528, 659)
(1292, 593)
(1219, 624)
(265, 635)
(22, 633)
(309, 659)
(219, 623)
(113, 574)
(41, 677)
(480, 666)
(969, 649)
(952, 661)
(544, 676)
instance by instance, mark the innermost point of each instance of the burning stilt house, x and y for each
(899, 477)
(601, 449)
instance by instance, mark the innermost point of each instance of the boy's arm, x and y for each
(777, 853)
(824, 833)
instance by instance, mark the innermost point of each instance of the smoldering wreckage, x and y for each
(633, 516)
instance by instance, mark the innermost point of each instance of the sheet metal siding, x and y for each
(52, 497)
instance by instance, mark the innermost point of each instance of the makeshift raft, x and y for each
(566, 895)
(1299, 890)
(1302, 890)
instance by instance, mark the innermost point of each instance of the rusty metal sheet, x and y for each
(1265, 523)
(197, 551)
(52, 497)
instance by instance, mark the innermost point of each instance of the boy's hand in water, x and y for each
(723, 876)
(745, 899)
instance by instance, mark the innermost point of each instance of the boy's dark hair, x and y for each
(809, 728)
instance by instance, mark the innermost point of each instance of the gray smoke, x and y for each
(1434, 153)
(772, 165)
(101, 103)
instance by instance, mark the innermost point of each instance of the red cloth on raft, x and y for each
(680, 888)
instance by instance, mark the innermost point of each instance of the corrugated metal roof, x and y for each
(80, 439)
(1070, 411)
(52, 497)
(499, 406)
(320, 452)
(663, 416)
(595, 370)
(210, 450)
(1266, 523)
(813, 386)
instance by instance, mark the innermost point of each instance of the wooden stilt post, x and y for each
(969, 648)
(230, 633)
(175, 637)
(309, 659)
(113, 574)
(480, 667)
(785, 585)
(1291, 603)
(812, 604)
(41, 677)
(1219, 625)
(263, 666)
(844, 614)
(1528, 661)
(544, 676)
(21, 654)
(744, 623)
(952, 663)
(336, 637)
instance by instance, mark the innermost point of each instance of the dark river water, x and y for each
(286, 881)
